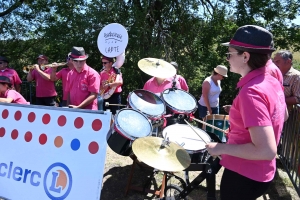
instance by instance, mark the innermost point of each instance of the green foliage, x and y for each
(189, 32)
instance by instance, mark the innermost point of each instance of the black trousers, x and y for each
(237, 187)
(114, 99)
(45, 101)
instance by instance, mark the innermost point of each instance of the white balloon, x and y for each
(119, 60)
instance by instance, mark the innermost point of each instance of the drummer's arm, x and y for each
(205, 91)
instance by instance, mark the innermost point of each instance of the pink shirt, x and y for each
(16, 96)
(182, 82)
(152, 85)
(105, 76)
(260, 102)
(274, 71)
(12, 75)
(62, 74)
(44, 88)
(81, 84)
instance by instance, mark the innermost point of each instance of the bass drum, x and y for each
(129, 125)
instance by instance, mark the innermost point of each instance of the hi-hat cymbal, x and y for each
(170, 158)
(157, 67)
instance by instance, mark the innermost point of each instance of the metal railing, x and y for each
(289, 147)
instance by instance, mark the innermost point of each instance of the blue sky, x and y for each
(297, 20)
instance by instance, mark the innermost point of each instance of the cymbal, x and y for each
(170, 158)
(157, 67)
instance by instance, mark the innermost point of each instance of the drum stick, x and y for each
(207, 124)
(198, 135)
(108, 104)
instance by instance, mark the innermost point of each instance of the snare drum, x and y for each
(219, 121)
(179, 101)
(129, 125)
(184, 136)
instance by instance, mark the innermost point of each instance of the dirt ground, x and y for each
(117, 170)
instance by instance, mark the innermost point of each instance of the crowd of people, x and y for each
(266, 88)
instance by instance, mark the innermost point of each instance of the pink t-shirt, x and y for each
(81, 84)
(260, 102)
(182, 82)
(105, 76)
(12, 75)
(152, 85)
(274, 71)
(16, 96)
(62, 74)
(44, 88)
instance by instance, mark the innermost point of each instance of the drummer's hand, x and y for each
(54, 66)
(209, 111)
(73, 106)
(227, 108)
(214, 148)
(226, 132)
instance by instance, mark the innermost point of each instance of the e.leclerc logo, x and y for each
(57, 178)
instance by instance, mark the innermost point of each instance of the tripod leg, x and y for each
(186, 176)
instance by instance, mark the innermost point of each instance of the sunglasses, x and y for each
(1, 63)
(104, 63)
(228, 55)
(78, 60)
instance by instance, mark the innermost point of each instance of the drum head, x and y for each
(147, 102)
(179, 101)
(182, 133)
(132, 124)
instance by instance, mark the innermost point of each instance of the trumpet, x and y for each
(27, 69)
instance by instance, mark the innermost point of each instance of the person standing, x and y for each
(10, 73)
(83, 82)
(256, 118)
(179, 78)
(111, 82)
(62, 75)
(211, 89)
(7, 95)
(45, 88)
(291, 77)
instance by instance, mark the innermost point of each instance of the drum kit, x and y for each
(154, 128)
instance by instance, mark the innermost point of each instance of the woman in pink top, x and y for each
(256, 118)
(7, 95)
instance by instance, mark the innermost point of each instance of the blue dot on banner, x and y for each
(75, 144)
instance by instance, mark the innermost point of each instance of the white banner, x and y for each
(51, 153)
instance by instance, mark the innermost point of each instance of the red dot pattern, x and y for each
(14, 134)
(2, 132)
(31, 117)
(62, 120)
(43, 139)
(5, 113)
(93, 147)
(78, 123)
(97, 124)
(28, 136)
(46, 119)
(18, 115)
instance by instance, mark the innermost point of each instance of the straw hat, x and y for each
(222, 70)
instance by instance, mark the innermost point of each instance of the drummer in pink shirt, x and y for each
(62, 75)
(10, 73)
(158, 85)
(83, 82)
(7, 95)
(256, 118)
(180, 78)
(45, 88)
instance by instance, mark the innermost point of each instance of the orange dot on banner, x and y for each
(5, 114)
(43, 139)
(78, 123)
(31, 117)
(97, 124)
(58, 142)
(2, 131)
(14, 134)
(62, 120)
(28, 136)
(46, 118)
(18, 115)
(93, 147)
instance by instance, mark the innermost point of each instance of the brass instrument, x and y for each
(105, 94)
(27, 69)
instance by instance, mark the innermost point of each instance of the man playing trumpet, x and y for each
(45, 88)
